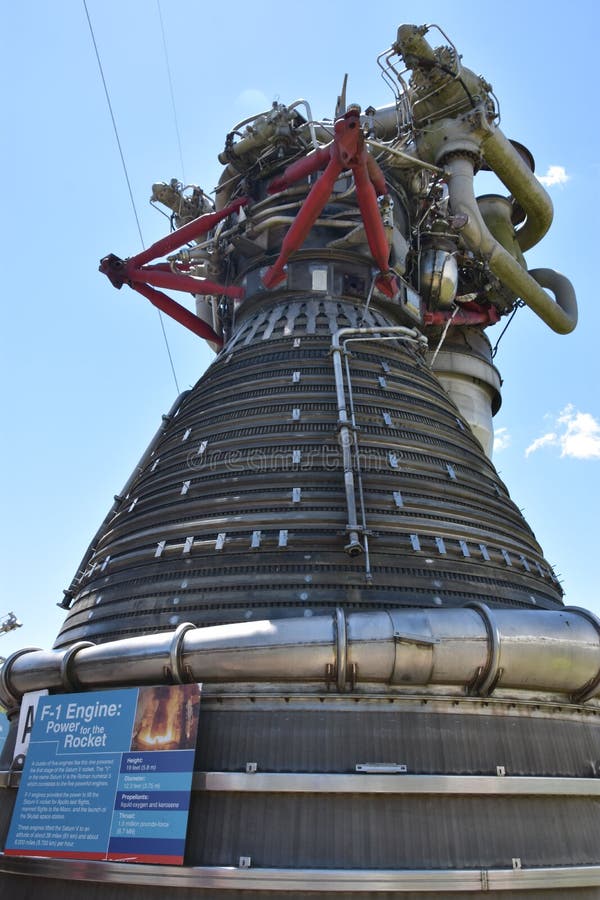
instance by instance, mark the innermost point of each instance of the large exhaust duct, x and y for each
(476, 649)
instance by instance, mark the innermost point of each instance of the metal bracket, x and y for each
(341, 649)
(329, 674)
(382, 768)
(66, 601)
(506, 557)
(487, 676)
(419, 640)
(15, 771)
(415, 542)
(68, 678)
(178, 673)
(340, 673)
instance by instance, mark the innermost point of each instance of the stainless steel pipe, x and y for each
(476, 648)
(354, 545)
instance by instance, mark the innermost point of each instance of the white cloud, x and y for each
(253, 101)
(576, 434)
(546, 440)
(554, 175)
(502, 439)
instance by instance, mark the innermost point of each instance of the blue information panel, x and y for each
(108, 775)
(3, 728)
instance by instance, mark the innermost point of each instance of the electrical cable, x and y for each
(518, 305)
(443, 337)
(125, 172)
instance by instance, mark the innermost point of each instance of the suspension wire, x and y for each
(126, 173)
(114, 123)
(168, 65)
(162, 326)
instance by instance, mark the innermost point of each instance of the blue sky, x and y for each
(85, 373)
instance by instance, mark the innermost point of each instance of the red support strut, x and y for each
(178, 312)
(140, 277)
(347, 151)
(474, 314)
(191, 231)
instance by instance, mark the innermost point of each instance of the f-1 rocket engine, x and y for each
(396, 700)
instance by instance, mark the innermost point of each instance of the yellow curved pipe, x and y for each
(560, 316)
(516, 175)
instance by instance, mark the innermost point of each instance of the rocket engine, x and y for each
(396, 700)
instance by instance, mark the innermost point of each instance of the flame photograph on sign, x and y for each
(166, 718)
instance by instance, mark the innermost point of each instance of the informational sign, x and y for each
(3, 727)
(108, 775)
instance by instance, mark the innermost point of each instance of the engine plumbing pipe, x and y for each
(561, 315)
(354, 545)
(186, 233)
(472, 647)
(516, 175)
(406, 157)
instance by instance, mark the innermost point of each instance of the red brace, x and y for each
(347, 151)
(140, 277)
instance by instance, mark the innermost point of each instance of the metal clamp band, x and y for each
(488, 675)
(68, 678)
(590, 688)
(176, 653)
(8, 698)
(341, 649)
